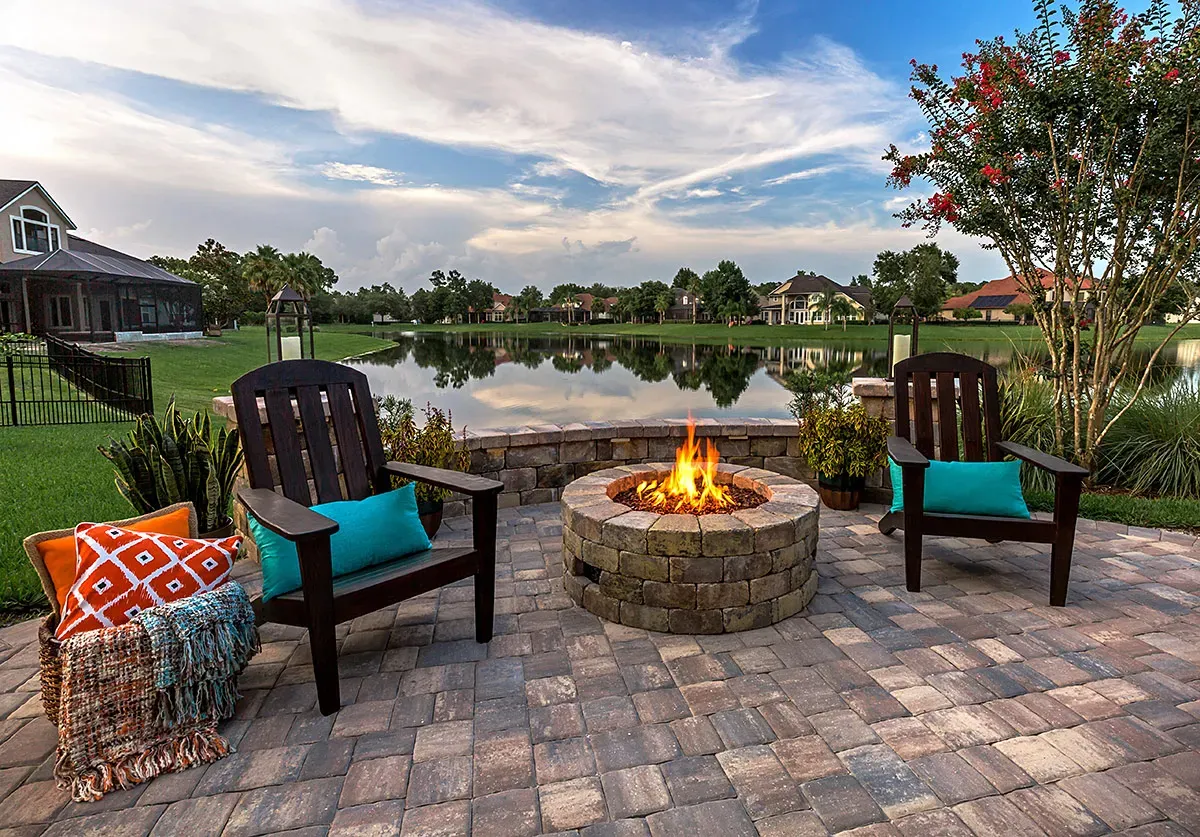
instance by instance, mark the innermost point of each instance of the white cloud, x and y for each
(803, 174)
(703, 193)
(366, 174)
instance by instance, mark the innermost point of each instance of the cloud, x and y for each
(366, 174)
(803, 174)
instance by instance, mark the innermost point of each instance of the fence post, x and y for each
(12, 389)
(149, 389)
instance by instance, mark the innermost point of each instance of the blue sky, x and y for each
(520, 141)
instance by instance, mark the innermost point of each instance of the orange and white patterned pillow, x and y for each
(119, 573)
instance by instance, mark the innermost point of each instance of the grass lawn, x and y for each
(1150, 512)
(53, 477)
(769, 335)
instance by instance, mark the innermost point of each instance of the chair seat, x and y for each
(371, 588)
(986, 527)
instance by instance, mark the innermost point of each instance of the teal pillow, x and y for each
(991, 488)
(373, 530)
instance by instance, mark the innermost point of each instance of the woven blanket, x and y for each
(144, 698)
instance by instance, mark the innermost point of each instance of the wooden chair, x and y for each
(963, 378)
(302, 398)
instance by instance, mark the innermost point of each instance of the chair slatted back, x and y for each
(304, 400)
(968, 421)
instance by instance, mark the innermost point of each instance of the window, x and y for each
(32, 232)
(60, 311)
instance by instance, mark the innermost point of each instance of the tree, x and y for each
(967, 313)
(689, 280)
(262, 268)
(826, 302)
(450, 295)
(1075, 151)
(842, 310)
(529, 298)
(663, 298)
(921, 274)
(726, 291)
(1021, 311)
(479, 296)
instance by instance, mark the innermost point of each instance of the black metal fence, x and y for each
(50, 381)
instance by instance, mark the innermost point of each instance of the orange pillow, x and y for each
(122, 572)
(58, 554)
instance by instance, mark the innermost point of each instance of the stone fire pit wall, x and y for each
(683, 573)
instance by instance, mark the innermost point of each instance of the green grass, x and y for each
(53, 477)
(765, 335)
(1149, 512)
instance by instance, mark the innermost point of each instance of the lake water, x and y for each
(489, 379)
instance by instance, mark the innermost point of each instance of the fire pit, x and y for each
(697, 547)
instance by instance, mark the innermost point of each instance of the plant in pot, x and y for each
(176, 460)
(840, 440)
(433, 444)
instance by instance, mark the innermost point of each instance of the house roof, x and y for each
(804, 283)
(91, 260)
(11, 190)
(992, 294)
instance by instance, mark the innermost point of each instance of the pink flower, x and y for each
(994, 175)
(1062, 57)
(1171, 75)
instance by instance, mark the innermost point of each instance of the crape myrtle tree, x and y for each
(1074, 150)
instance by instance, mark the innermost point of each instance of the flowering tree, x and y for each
(1073, 153)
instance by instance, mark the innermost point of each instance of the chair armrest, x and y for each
(285, 517)
(1045, 461)
(468, 484)
(903, 453)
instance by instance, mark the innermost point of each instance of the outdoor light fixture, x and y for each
(289, 320)
(902, 346)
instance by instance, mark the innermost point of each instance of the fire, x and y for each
(691, 486)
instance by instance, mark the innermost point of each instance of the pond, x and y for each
(490, 379)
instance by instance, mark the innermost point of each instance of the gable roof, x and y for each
(11, 190)
(803, 283)
(86, 258)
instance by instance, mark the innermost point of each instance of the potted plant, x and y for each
(434, 445)
(840, 440)
(176, 460)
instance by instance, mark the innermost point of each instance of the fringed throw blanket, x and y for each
(145, 698)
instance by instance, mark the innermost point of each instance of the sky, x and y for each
(518, 141)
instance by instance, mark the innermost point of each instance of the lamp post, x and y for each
(901, 346)
(288, 311)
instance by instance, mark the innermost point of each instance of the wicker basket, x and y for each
(51, 667)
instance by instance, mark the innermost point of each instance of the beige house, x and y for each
(53, 282)
(797, 301)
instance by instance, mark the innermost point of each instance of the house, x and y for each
(797, 301)
(681, 308)
(502, 308)
(584, 309)
(995, 298)
(54, 282)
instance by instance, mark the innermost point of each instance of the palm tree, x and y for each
(263, 271)
(826, 302)
(567, 300)
(303, 271)
(842, 310)
(663, 301)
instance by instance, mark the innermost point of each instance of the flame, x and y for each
(691, 486)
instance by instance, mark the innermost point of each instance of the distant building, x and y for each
(994, 299)
(53, 282)
(584, 308)
(796, 301)
(681, 308)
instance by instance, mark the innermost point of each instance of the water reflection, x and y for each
(492, 379)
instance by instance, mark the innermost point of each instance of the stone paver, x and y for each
(969, 708)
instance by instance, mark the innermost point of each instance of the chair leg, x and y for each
(316, 575)
(914, 526)
(323, 643)
(890, 522)
(483, 532)
(1066, 513)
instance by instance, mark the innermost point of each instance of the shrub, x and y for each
(434, 445)
(1154, 448)
(1027, 417)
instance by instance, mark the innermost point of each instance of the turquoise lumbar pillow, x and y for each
(990, 488)
(373, 530)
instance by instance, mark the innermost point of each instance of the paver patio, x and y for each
(969, 708)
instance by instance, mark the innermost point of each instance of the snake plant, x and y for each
(175, 460)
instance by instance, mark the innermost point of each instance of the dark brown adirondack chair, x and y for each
(302, 398)
(964, 378)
